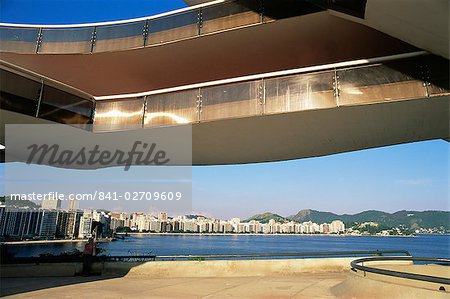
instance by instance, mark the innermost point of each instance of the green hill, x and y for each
(411, 219)
(18, 203)
(265, 217)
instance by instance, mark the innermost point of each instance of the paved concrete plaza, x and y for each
(307, 285)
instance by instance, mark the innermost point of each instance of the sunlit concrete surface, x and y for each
(307, 278)
(307, 285)
(187, 269)
(371, 285)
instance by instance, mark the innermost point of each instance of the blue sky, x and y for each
(81, 11)
(410, 176)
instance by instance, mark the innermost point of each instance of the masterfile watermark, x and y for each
(99, 195)
(148, 155)
(134, 168)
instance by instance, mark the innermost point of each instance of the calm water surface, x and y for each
(420, 246)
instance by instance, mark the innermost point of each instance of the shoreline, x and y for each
(256, 234)
(32, 242)
(104, 240)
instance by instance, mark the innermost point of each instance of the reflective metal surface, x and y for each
(18, 94)
(230, 15)
(172, 108)
(62, 107)
(175, 27)
(119, 115)
(74, 40)
(20, 40)
(436, 72)
(117, 37)
(403, 79)
(228, 101)
(299, 92)
(383, 82)
(207, 18)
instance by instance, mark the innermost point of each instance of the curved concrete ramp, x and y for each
(370, 285)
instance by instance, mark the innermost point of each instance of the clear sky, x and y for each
(81, 11)
(410, 176)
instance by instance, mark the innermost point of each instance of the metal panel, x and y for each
(119, 114)
(117, 37)
(382, 82)
(437, 75)
(172, 108)
(18, 40)
(299, 92)
(73, 40)
(229, 101)
(63, 107)
(172, 28)
(18, 93)
(230, 15)
(276, 9)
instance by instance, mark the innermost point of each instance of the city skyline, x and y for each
(402, 177)
(31, 223)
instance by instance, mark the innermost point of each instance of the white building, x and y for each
(86, 225)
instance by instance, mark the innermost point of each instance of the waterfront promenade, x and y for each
(305, 285)
(276, 278)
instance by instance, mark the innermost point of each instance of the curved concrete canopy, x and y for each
(303, 134)
(308, 40)
(422, 23)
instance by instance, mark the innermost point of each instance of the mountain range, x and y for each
(410, 219)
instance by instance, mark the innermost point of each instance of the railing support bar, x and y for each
(41, 91)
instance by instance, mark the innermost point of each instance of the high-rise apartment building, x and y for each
(73, 205)
(51, 203)
(86, 223)
(162, 216)
(48, 224)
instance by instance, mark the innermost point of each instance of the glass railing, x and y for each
(412, 78)
(115, 115)
(211, 17)
(30, 94)
(323, 87)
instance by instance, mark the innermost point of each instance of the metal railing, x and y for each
(358, 265)
(319, 254)
(211, 17)
(360, 82)
(32, 94)
(149, 257)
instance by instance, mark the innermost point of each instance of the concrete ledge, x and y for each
(371, 285)
(211, 268)
(40, 270)
(231, 268)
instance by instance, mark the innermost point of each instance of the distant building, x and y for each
(16, 223)
(68, 224)
(337, 226)
(62, 224)
(73, 224)
(48, 224)
(162, 216)
(73, 205)
(86, 223)
(51, 204)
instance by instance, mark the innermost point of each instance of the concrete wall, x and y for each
(186, 268)
(232, 268)
(161, 269)
(378, 286)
